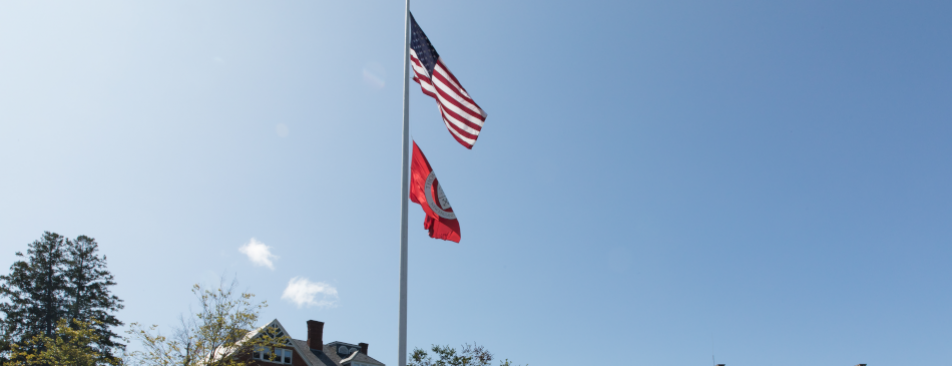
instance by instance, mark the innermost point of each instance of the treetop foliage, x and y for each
(69, 346)
(220, 334)
(58, 279)
(468, 355)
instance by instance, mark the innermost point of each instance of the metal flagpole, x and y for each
(405, 191)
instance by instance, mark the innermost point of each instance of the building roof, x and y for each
(353, 357)
(358, 357)
(331, 354)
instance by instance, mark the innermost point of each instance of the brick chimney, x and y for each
(363, 348)
(315, 335)
(861, 364)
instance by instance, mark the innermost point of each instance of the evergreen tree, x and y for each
(87, 293)
(34, 291)
(58, 279)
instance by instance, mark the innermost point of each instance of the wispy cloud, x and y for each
(258, 253)
(374, 76)
(303, 292)
(373, 80)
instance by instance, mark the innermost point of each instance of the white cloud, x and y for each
(303, 292)
(258, 253)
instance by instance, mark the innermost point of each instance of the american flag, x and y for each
(462, 117)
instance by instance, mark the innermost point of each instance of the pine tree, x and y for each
(87, 293)
(58, 279)
(34, 290)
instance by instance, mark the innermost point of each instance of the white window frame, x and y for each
(263, 354)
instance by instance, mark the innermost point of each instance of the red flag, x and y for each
(425, 190)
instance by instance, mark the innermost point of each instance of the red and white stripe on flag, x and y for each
(461, 115)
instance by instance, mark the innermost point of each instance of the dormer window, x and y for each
(281, 355)
(344, 350)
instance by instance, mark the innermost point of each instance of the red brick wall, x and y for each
(297, 360)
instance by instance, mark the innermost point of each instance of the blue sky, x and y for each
(656, 181)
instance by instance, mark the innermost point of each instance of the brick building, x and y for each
(313, 351)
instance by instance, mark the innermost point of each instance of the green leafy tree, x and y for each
(70, 345)
(222, 333)
(467, 355)
(58, 279)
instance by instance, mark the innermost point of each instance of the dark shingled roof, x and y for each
(361, 358)
(328, 356)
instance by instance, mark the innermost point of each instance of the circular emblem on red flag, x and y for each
(441, 204)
